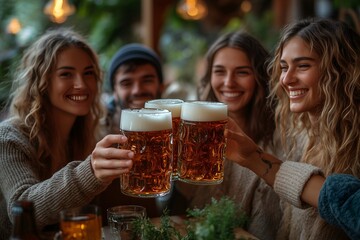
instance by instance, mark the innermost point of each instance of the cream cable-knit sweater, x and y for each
(74, 185)
(301, 221)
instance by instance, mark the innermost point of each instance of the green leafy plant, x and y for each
(144, 229)
(216, 221)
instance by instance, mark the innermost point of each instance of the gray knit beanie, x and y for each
(130, 52)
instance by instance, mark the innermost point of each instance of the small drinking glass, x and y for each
(120, 219)
(83, 223)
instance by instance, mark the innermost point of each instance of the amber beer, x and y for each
(149, 133)
(202, 142)
(174, 106)
(81, 223)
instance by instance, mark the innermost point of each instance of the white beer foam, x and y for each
(203, 111)
(145, 119)
(173, 105)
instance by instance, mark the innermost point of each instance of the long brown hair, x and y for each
(260, 119)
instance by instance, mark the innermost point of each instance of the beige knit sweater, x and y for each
(300, 221)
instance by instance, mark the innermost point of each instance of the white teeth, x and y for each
(296, 93)
(78, 98)
(227, 94)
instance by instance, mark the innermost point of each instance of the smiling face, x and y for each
(73, 84)
(233, 79)
(133, 88)
(300, 73)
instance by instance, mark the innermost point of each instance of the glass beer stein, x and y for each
(149, 133)
(202, 142)
(174, 106)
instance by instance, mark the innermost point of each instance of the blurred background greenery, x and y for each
(108, 24)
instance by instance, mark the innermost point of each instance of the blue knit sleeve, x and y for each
(339, 203)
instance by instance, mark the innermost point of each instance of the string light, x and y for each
(14, 26)
(192, 9)
(246, 6)
(59, 10)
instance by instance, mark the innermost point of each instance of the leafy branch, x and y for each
(216, 221)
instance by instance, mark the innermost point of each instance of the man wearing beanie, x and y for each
(135, 76)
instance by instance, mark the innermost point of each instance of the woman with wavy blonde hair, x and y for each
(316, 83)
(48, 149)
(332, 129)
(32, 108)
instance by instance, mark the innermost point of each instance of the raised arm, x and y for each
(244, 151)
(337, 197)
(306, 179)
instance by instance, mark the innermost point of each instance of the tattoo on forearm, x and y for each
(268, 163)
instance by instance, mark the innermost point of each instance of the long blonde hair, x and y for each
(334, 143)
(30, 103)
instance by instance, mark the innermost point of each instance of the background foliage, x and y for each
(108, 24)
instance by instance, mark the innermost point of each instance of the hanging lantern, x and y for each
(192, 9)
(59, 10)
